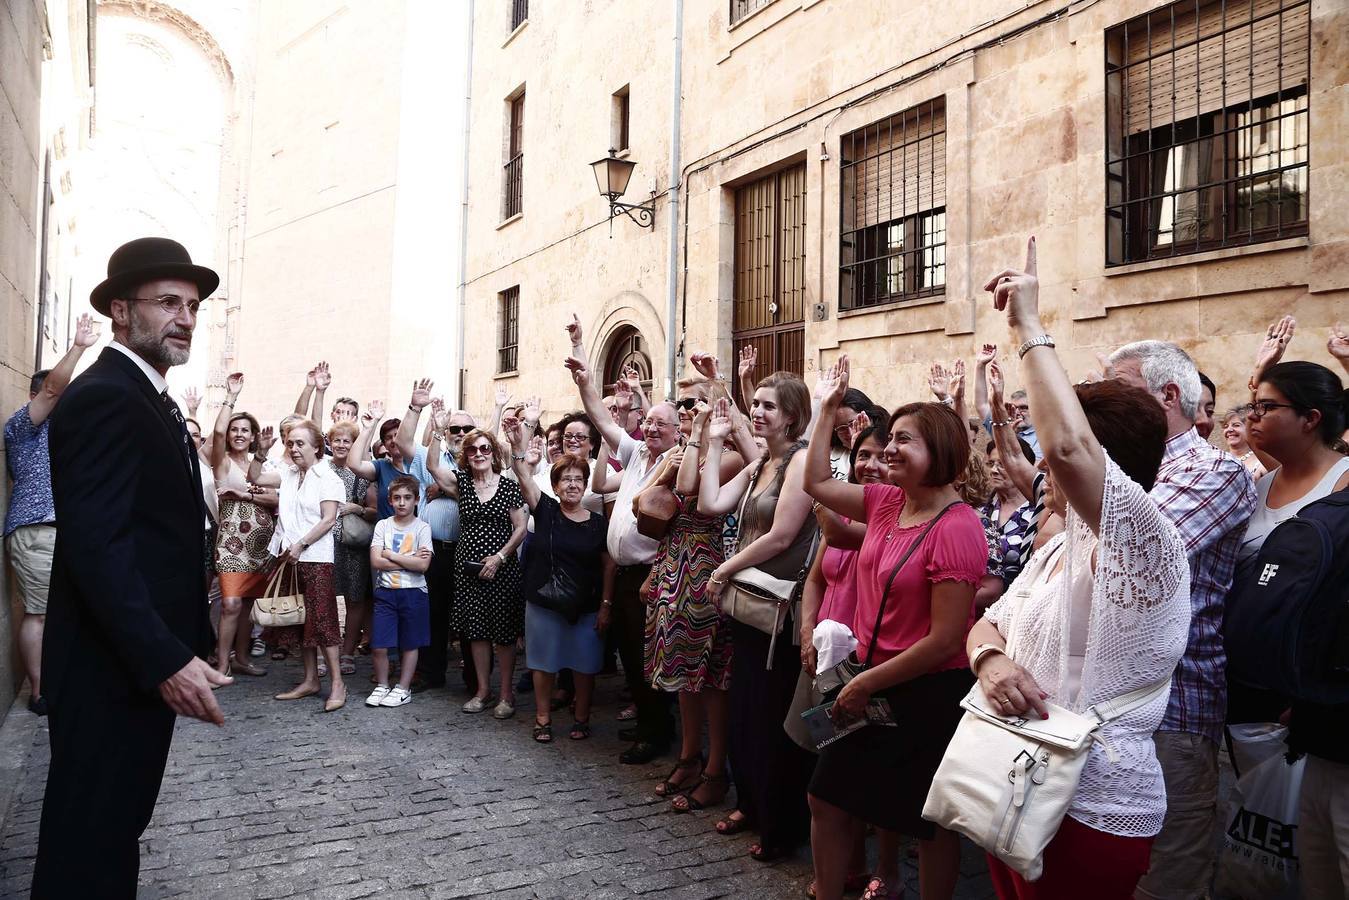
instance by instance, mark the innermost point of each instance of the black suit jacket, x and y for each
(127, 605)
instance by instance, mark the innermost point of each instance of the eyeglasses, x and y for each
(656, 423)
(574, 438)
(1261, 408)
(170, 303)
(480, 450)
(572, 479)
(1021, 407)
(458, 429)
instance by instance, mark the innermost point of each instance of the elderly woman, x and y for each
(1238, 440)
(245, 530)
(1008, 519)
(351, 563)
(310, 496)
(1101, 611)
(569, 540)
(776, 530)
(488, 607)
(922, 557)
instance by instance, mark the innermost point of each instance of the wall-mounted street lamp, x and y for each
(611, 176)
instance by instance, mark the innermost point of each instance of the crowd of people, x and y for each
(756, 552)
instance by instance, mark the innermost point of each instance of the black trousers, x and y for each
(107, 762)
(433, 659)
(628, 624)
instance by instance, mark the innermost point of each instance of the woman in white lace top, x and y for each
(1103, 609)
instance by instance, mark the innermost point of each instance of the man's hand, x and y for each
(503, 397)
(86, 332)
(574, 330)
(322, 378)
(987, 353)
(602, 618)
(622, 396)
(580, 373)
(706, 365)
(311, 379)
(188, 691)
(421, 394)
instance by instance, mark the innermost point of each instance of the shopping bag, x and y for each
(1259, 855)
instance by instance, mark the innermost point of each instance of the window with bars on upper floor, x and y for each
(742, 8)
(508, 330)
(512, 171)
(893, 209)
(519, 12)
(1206, 127)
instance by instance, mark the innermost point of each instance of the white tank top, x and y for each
(1265, 519)
(236, 477)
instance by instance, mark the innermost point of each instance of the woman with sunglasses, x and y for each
(1296, 424)
(488, 606)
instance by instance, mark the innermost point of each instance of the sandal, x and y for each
(543, 732)
(764, 854)
(280, 653)
(851, 884)
(877, 889)
(347, 665)
(363, 648)
(669, 786)
(731, 825)
(627, 713)
(687, 802)
(579, 730)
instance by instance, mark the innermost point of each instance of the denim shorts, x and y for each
(402, 619)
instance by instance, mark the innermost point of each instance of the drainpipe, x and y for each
(459, 371)
(673, 343)
(44, 280)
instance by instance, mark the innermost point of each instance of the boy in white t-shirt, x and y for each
(400, 554)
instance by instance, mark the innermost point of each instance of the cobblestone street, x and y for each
(422, 801)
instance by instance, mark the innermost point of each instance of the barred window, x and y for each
(508, 330)
(519, 13)
(742, 8)
(893, 216)
(512, 172)
(1207, 127)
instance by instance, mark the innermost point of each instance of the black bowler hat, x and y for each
(149, 259)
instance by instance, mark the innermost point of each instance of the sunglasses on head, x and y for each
(458, 429)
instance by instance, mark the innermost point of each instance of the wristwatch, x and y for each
(1043, 340)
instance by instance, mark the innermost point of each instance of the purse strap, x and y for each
(885, 595)
(274, 583)
(744, 501)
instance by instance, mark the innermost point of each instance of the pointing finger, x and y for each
(1030, 255)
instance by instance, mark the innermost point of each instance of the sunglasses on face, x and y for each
(458, 429)
(687, 403)
(480, 450)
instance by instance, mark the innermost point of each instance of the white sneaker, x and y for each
(397, 697)
(377, 696)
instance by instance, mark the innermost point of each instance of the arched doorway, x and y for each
(627, 347)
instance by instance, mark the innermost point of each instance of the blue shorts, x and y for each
(402, 619)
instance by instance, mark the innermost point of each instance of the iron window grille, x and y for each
(1206, 127)
(742, 8)
(519, 13)
(893, 209)
(508, 330)
(512, 173)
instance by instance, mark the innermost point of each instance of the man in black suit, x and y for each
(127, 617)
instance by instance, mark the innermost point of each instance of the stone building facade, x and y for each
(852, 170)
(47, 70)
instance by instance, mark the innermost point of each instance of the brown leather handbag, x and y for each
(655, 508)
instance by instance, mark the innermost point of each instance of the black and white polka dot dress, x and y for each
(488, 610)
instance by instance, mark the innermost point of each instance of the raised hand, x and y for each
(533, 410)
(86, 332)
(234, 383)
(322, 378)
(437, 406)
(860, 423)
(833, 383)
(440, 417)
(622, 396)
(1018, 292)
(502, 397)
(580, 372)
(719, 426)
(374, 411)
(939, 381)
(995, 384)
(191, 399)
(987, 353)
(537, 447)
(1338, 343)
(706, 365)
(1277, 337)
(311, 379)
(749, 358)
(266, 439)
(956, 378)
(631, 378)
(514, 430)
(574, 330)
(421, 394)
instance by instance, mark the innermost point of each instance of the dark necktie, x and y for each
(177, 415)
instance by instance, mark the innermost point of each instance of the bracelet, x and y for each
(229, 403)
(1002, 424)
(949, 401)
(1043, 340)
(416, 409)
(520, 458)
(694, 444)
(437, 435)
(501, 558)
(980, 652)
(606, 603)
(715, 580)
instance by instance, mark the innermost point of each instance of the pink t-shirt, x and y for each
(955, 550)
(840, 594)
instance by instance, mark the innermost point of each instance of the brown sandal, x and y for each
(688, 801)
(669, 786)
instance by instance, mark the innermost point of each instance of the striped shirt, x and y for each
(1209, 496)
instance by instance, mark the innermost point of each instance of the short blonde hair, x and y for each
(348, 430)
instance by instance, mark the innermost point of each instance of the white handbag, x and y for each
(1006, 783)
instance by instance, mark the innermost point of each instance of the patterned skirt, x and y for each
(687, 646)
(241, 555)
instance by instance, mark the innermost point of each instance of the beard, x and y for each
(153, 347)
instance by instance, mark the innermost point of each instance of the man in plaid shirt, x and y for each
(1208, 495)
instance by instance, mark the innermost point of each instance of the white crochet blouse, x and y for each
(1133, 618)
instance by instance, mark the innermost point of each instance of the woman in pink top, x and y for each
(915, 660)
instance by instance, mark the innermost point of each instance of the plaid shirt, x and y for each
(1208, 495)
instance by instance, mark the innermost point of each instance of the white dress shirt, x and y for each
(628, 546)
